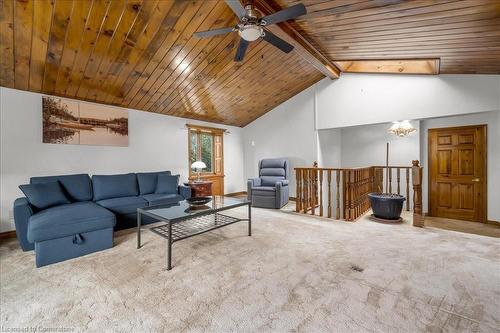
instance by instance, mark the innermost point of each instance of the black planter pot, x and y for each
(386, 206)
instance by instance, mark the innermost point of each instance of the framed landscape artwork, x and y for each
(78, 123)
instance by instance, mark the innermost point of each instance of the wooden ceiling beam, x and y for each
(303, 47)
(402, 66)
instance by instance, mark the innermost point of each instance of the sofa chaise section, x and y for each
(64, 231)
(69, 231)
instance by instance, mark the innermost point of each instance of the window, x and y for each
(205, 144)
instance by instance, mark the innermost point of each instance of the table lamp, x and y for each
(198, 166)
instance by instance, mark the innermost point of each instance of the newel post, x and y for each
(314, 188)
(416, 173)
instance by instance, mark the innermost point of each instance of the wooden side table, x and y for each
(200, 189)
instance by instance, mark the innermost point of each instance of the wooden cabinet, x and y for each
(200, 189)
(216, 180)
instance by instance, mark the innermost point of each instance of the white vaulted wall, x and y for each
(360, 99)
(287, 131)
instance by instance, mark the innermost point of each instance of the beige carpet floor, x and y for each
(295, 274)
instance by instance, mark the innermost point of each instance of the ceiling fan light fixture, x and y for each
(250, 32)
(251, 23)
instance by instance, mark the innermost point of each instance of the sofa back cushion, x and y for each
(167, 184)
(269, 177)
(272, 171)
(77, 187)
(114, 186)
(45, 195)
(273, 163)
(148, 180)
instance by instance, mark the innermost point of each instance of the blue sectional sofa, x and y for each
(83, 211)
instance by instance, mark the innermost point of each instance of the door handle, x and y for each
(475, 179)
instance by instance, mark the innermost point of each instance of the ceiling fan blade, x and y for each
(285, 14)
(242, 48)
(237, 8)
(211, 33)
(278, 42)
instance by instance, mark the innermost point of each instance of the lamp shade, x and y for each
(198, 165)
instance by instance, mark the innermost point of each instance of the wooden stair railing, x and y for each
(311, 180)
(380, 181)
(357, 183)
(348, 188)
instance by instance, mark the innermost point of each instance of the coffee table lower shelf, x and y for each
(195, 226)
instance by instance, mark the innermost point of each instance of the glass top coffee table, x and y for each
(182, 221)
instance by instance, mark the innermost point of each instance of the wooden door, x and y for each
(457, 173)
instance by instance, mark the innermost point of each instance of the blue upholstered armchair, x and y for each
(270, 190)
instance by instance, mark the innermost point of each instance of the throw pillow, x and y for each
(167, 184)
(44, 195)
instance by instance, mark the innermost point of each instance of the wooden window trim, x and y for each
(215, 132)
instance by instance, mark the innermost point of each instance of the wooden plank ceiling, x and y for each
(464, 34)
(141, 54)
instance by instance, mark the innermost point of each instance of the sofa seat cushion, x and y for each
(162, 199)
(69, 219)
(270, 180)
(124, 205)
(264, 191)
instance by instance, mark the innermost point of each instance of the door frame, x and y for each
(485, 165)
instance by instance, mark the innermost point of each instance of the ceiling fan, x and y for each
(252, 27)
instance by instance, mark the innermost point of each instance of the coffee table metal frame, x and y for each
(187, 226)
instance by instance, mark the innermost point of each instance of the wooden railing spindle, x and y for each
(329, 176)
(306, 190)
(390, 179)
(407, 189)
(314, 178)
(320, 192)
(399, 177)
(298, 197)
(338, 193)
